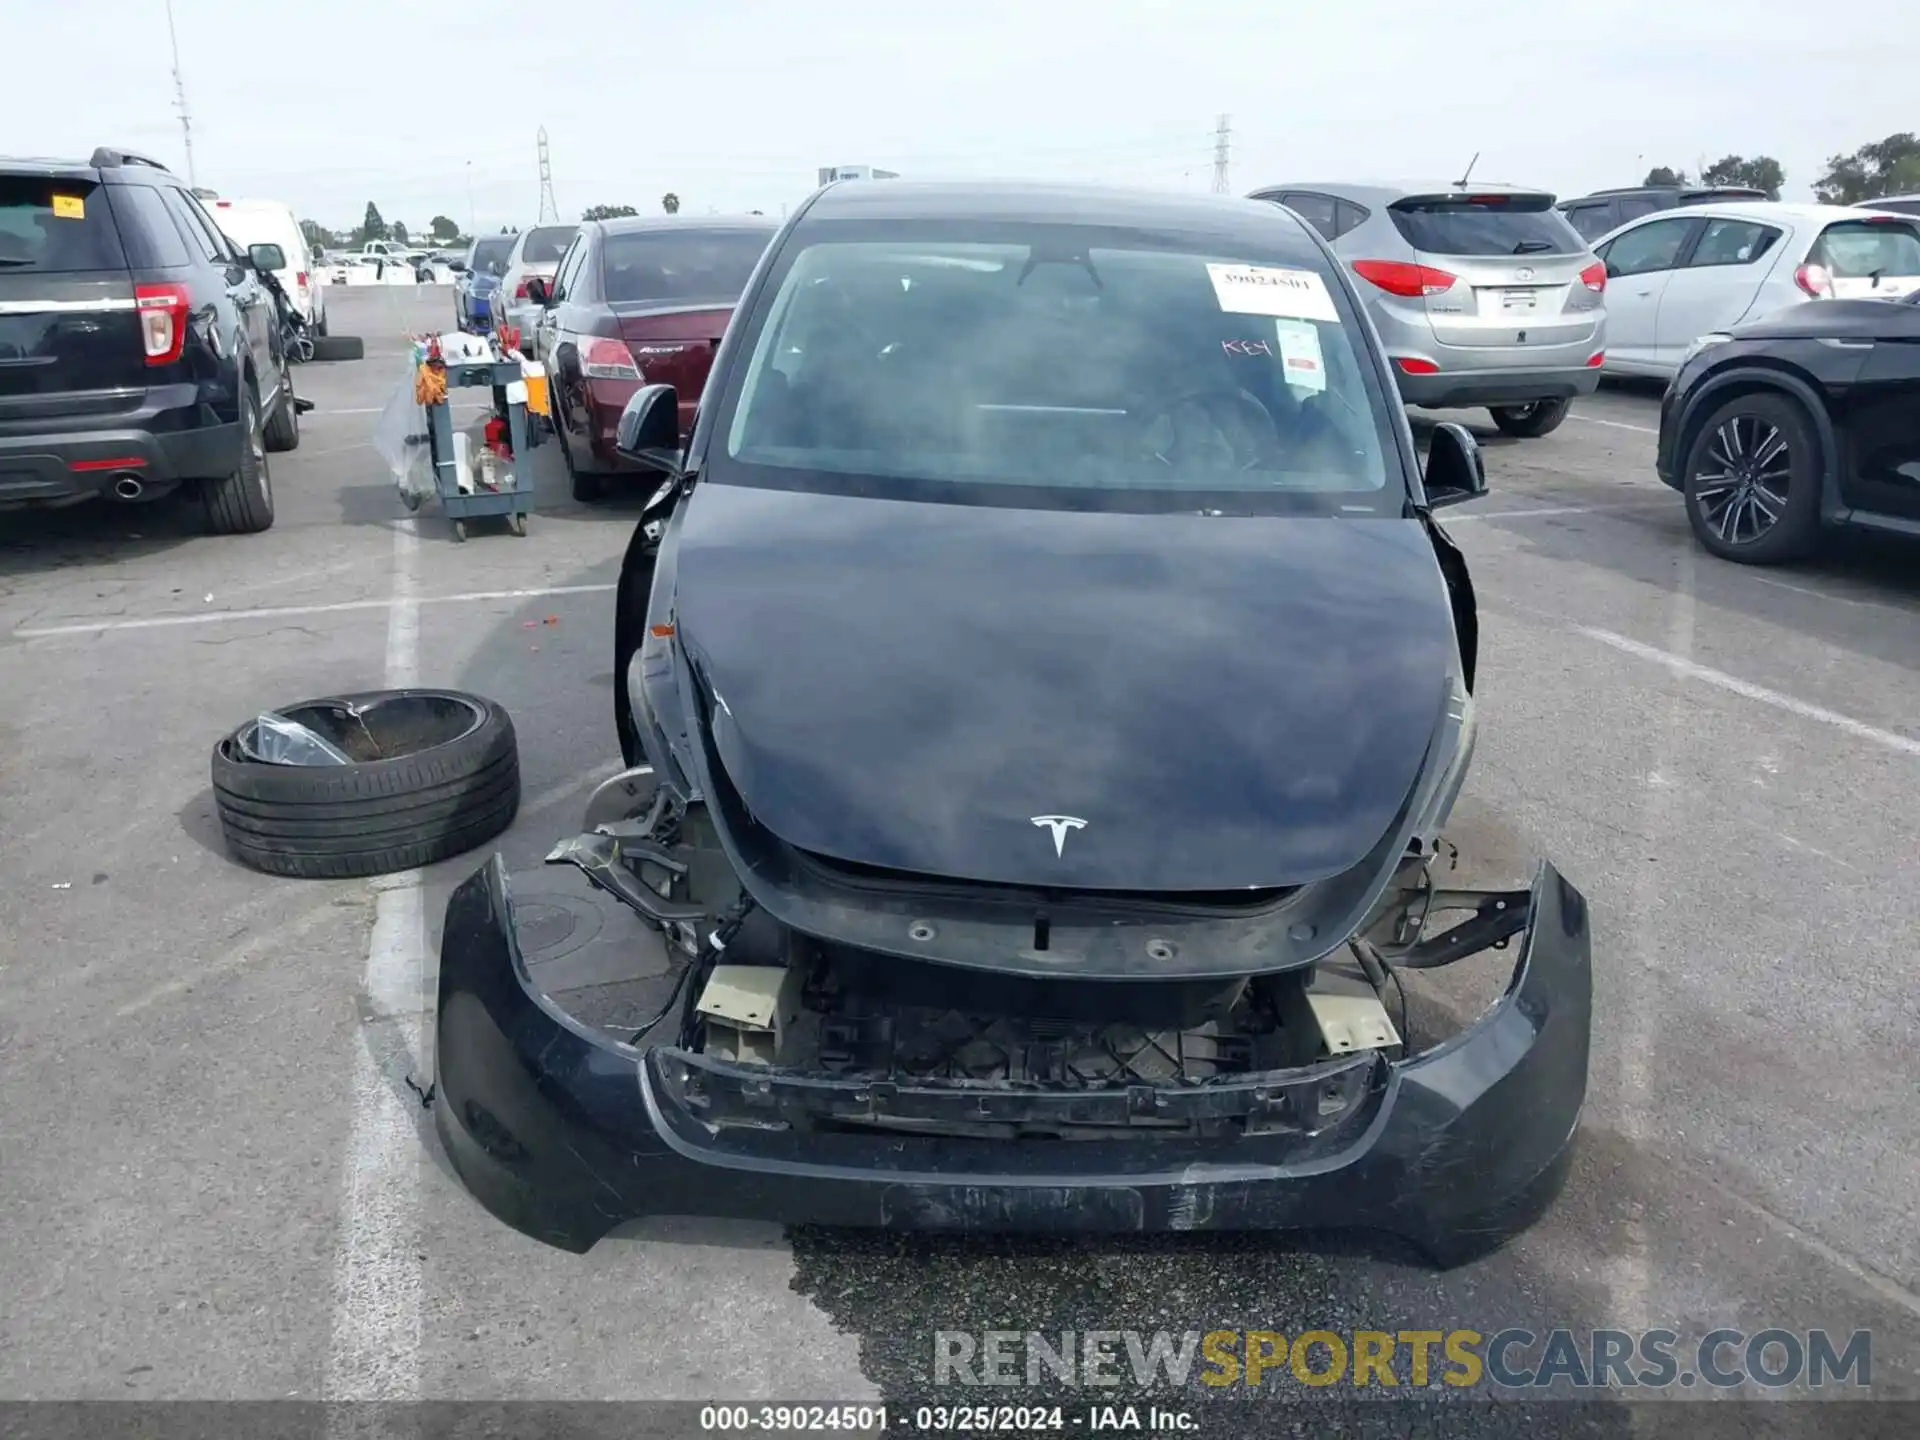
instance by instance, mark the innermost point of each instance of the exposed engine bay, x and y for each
(751, 992)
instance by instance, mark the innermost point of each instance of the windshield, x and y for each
(1855, 249)
(495, 248)
(547, 244)
(1046, 370)
(680, 266)
(52, 225)
(1486, 225)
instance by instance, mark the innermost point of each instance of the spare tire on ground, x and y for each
(339, 347)
(429, 774)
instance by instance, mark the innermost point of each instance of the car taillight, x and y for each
(1411, 366)
(1814, 281)
(1396, 277)
(163, 321)
(1596, 360)
(604, 359)
(300, 278)
(520, 290)
(1594, 277)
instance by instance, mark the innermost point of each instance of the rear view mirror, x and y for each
(649, 430)
(266, 257)
(1456, 471)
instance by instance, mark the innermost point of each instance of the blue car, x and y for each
(473, 287)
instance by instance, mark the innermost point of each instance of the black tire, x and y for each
(340, 347)
(1722, 515)
(375, 816)
(282, 430)
(320, 330)
(242, 503)
(1530, 422)
(586, 487)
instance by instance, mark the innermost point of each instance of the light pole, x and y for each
(473, 221)
(180, 97)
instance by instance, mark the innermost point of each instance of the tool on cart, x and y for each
(477, 472)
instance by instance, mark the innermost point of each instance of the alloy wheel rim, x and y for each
(1742, 491)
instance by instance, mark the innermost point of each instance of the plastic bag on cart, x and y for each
(275, 740)
(401, 438)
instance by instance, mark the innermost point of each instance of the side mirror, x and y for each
(266, 257)
(459, 267)
(1456, 471)
(649, 430)
(493, 268)
(538, 292)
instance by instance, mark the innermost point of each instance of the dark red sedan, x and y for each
(637, 301)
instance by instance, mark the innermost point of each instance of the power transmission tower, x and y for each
(549, 207)
(1222, 141)
(180, 97)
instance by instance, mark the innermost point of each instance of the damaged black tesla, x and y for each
(1044, 686)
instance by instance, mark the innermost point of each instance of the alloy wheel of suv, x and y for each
(242, 503)
(1753, 480)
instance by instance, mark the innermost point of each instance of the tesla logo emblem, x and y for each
(1523, 273)
(1060, 825)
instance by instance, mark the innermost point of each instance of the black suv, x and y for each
(1594, 215)
(139, 350)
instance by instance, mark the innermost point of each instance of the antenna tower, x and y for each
(1222, 140)
(549, 207)
(180, 98)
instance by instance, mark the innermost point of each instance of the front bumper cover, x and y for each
(564, 1133)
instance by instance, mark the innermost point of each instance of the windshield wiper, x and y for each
(1532, 247)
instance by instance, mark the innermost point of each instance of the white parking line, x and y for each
(1549, 510)
(1610, 424)
(286, 612)
(1680, 665)
(373, 1351)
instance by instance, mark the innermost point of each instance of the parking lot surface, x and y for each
(215, 1182)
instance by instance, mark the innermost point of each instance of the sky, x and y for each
(434, 108)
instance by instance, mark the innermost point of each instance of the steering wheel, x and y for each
(1216, 432)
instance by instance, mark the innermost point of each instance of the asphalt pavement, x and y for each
(216, 1183)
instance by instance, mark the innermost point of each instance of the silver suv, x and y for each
(1482, 294)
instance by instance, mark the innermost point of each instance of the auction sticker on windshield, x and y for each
(1272, 290)
(1300, 358)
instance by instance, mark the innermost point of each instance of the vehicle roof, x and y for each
(1385, 192)
(44, 165)
(1761, 210)
(1614, 191)
(223, 203)
(1870, 204)
(637, 224)
(1043, 202)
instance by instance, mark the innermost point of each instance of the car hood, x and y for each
(1218, 702)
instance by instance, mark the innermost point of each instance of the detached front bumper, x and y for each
(565, 1133)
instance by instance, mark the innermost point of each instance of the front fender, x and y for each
(1746, 376)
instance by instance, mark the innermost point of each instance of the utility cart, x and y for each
(513, 500)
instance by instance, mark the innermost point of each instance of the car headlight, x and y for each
(1715, 338)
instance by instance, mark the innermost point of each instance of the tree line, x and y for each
(1886, 167)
